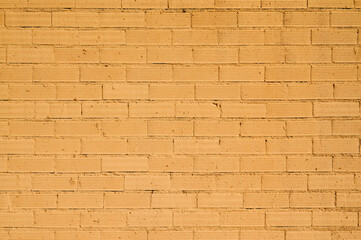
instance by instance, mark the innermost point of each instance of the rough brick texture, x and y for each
(180, 119)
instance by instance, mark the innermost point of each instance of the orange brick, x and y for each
(170, 128)
(28, 19)
(57, 110)
(336, 109)
(147, 182)
(162, 55)
(121, 19)
(214, 19)
(175, 235)
(206, 128)
(263, 128)
(331, 182)
(263, 164)
(323, 219)
(104, 110)
(241, 37)
(15, 37)
(96, 4)
(324, 91)
(242, 219)
(260, 19)
(308, 128)
(308, 55)
(147, 146)
(217, 92)
(139, 235)
(199, 219)
(118, 91)
(196, 110)
(261, 55)
(15, 182)
(284, 182)
(244, 110)
(192, 182)
(196, 146)
(237, 4)
(16, 146)
(29, 128)
(324, 37)
(194, 37)
(336, 146)
(79, 92)
(76, 55)
(242, 146)
(30, 164)
(151, 109)
(144, 3)
(33, 201)
(334, 73)
(307, 19)
(312, 200)
(76, 164)
(62, 235)
(115, 164)
(18, 234)
(124, 128)
(149, 218)
(218, 234)
(174, 200)
(51, 4)
(293, 219)
(330, 4)
(347, 91)
(284, 4)
(350, 19)
(30, 55)
(261, 234)
(297, 235)
(309, 164)
(195, 73)
(54, 183)
(80, 201)
(149, 74)
(76, 128)
(191, 4)
(346, 55)
(165, 92)
(241, 74)
(289, 146)
(103, 146)
(168, 20)
(75, 19)
(347, 127)
(238, 182)
(148, 37)
(220, 200)
(21, 219)
(289, 110)
(55, 74)
(55, 37)
(103, 183)
(289, 73)
(16, 74)
(216, 164)
(17, 109)
(103, 219)
(57, 146)
(126, 200)
(171, 164)
(122, 55)
(102, 74)
(266, 200)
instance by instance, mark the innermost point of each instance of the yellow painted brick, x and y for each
(55, 74)
(151, 109)
(118, 91)
(4, 128)
(76, 164)
(15, 36)
(16, 74)
(263, 164)
(262, 234)
(30, 55)
(238, 182)
(57, 110)
(308, 55)
(241, 37)
(262, 55)
(76, 128)
(3, 55)
(51, 4)
(13, 4)
(63, 235)
(244, 110)
(308, 128)
(307, 19)
(31, 128)
(217, 234)
(295, 36)
(136, 235)
(334, 73)
(79, 92)
(349, 19)
(194, 37)
(101, 37)
(76, 55)
(32, 92)
(149, 218)
(20, 219)
(284, 4)
(96, 4)
(289, 146)
(174, 200)
(104, 110)
(104, 146)
(161, 55)
(147, 182)
(220, 200)
(336, 146)
(214, 19)
(15, 182)
(312, 235)
(288, 73)
(170, 164)
(212, 128)
(331, 182)
(347, 127)
(284, 182)
(195, 73)
(324, 37)
(124, 128)
(264, 92)
(241, 74)
(289, 110)
(165, 92)
(4, 92)
(217, 92)
(149, 74)
(124, 163)
(242, 146)
(290, 219)
(127, 200)
(237, 4)
(30, 233)
(196, 146)
(103, 219)
(193, 182)
(100, 74)
(242, 219)
(347, 91)
(348, 199)
(309, 164)
(33, 201)
(170, 128)
(167, 20)
(75, 19)
(191, 4)
(346, 55)
(336, 109)
(122, 55)
(122, 19)
(55, 37)
(28, 19)
(266, 200)
(16, 109)
(80, 201)
(54, 182)
(260, 19)
(312, 200)
(216, 164)
(16, 146)
(103, 183)
(302, 91)
(198, 219)
(148, 146)
(346, 164)
(174, 235)
(263, 128)
(148, 37)
(57, 146)
(330, 4)
(323, 219)
(144, 3)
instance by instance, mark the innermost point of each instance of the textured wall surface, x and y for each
(180, 119)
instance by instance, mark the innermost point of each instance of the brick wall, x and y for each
(180, 119)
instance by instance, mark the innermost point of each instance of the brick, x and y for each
(80, 201)
(238, 182)
(336, 146)
(161, 55)
(206, 128)
(55, 74)
(347, 91)
(220, 200)
(15, 74)
(241, 74)
(15, 182)
(78, 92)
(170, 164)
(149, 74)
(122, 19)
(167, 20)
(290, 219)
(241, 37)
(70, 164)
(14, 4)
(55, 37)
(198, 219)
(195, 73)
(172, 92)
(151, 109)
(350, 19)
(51, 4)
(308, 55)
(263, 164)
(242, 146)
(148, 37)
(15, 37)
(334, 37)
(76, 55)
(104, 146)
(284, 182)
(289, 146)
(260, 19)
(307, 19)
(76, 128)
(126, 200)
(20, 219)
(101, 37)
(32, 92)
(16, 146)
(170, 128)
(124, 128)
(191, 4)
(346, 55)
(62, 235)
(96, 4)
(263, 128)
(320, 91)
(147, 146)
(237, 4)
(28, 19)
(266, 200)
(309, 164)
(18, 234)
(33, 201)
(149, 218)
(243, 110)
(104, 110)
(192, 182)
(331, 182)
(294, 37)
(334, 73)
(214, 19)
(288, 74)
(147, 182)
(323, 219)
(57, 110)
(284, 4)
(118, 91)
(138, 235)
(346, 164)
(308, 128)
(242, 219)
(347, 127)
(330, 4)
(289, 110)
(54, 183)
(312, 200)
(194, 37)
(261, 234)
(103, 183)
(196, 146)
(103, 219)
(57, 146)
(144, 4)
(261, 55)
(217, 92)
(122, 55)
(29, 128)
(4, 128)
(336, 109)
(75, 19)
(30, 164)
(202, 235)
(174, 200)
(296, 235)
(100, 74)
(114, 164)
(30, 55)
(16, 109)
(216, 164)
